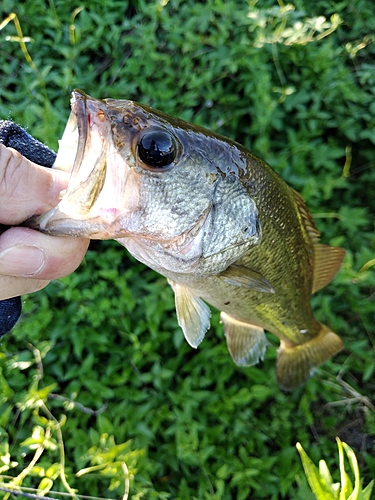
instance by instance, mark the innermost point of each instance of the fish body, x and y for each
(210, 216)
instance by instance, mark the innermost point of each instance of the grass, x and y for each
(97, 377)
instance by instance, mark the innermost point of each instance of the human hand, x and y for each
(29, 259)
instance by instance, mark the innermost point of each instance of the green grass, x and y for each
(98, 362)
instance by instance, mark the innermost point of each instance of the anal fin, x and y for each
(295, 365)
(193, 314)
(246, 343)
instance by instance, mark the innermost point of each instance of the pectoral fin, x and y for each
(193, 314)
(242, 276)
(247, 343)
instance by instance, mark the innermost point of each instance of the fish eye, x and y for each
(157, 149)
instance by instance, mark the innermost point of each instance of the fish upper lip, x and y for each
(78, 105)
(89, 181)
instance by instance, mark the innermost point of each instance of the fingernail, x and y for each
(21, 260)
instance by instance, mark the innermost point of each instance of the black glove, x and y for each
(13, 136)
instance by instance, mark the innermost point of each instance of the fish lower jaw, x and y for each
(158, 257)
(58, 223)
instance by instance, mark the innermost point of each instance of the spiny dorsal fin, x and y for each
(308, 221)
(242, 276)
(193, 314)
(327, 262)
(247, 343)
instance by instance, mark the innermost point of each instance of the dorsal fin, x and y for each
(308, 221)
(193, 314)
(327, 262)
(327, 259)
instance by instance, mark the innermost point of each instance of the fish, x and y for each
(213, 218)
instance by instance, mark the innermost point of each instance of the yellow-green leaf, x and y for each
(316, 482)
(44, 486)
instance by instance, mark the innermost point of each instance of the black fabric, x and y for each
(10, 311)
(13, 136)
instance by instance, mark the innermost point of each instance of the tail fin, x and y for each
(295, 365)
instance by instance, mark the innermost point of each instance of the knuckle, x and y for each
(10, 175)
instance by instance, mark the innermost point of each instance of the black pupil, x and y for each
(157, 149)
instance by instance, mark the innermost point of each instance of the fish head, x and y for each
(169, 191)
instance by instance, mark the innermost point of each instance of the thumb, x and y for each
(26, 188)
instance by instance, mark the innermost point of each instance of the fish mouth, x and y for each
(83, 151)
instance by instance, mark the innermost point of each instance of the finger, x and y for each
(26, 189)
(28, 253)
(12, 287)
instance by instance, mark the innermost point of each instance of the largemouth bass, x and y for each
(207, 214)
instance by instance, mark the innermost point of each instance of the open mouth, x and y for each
(82, 152)
(73, 142)
(86, 133)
